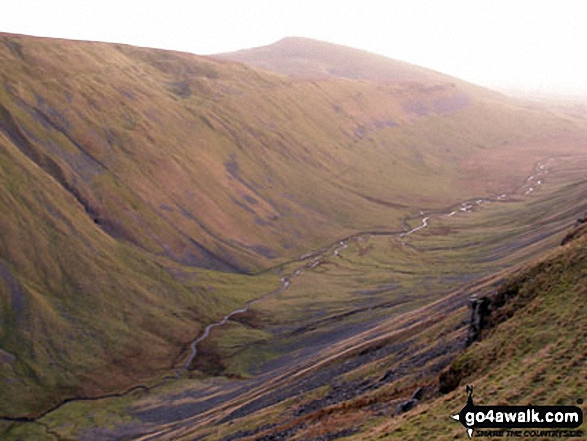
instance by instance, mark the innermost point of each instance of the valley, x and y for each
(344, 341)
(195, 248)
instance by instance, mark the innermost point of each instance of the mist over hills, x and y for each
(146, 194)
(307, 58)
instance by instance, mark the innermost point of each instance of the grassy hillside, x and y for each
(139, 187)
(355, 335)
(77, 304)
(241, 152)
(533, 352)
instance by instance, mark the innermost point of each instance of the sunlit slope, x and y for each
(75, 301)
(219, 165)
(81, 313)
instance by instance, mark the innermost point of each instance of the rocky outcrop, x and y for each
(480, 310)
(486, 313)
(449, 379)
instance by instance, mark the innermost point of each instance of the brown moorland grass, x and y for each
(139, 186)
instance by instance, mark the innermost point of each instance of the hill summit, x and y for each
(308, 58)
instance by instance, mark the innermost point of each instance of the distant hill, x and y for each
(307, 58)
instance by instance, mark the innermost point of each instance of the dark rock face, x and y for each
(487, 312)
(481, 319)
(480, 311)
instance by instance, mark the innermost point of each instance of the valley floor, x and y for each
(355, 331)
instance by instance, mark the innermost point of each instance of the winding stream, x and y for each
(465, 207)
(316, 258)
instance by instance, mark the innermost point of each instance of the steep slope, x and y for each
(533, 348)
(241, 153)
(137, 186)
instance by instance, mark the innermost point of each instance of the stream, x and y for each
(465, 207)
(316, 259)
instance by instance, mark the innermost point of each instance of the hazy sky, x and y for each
(535, 45)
